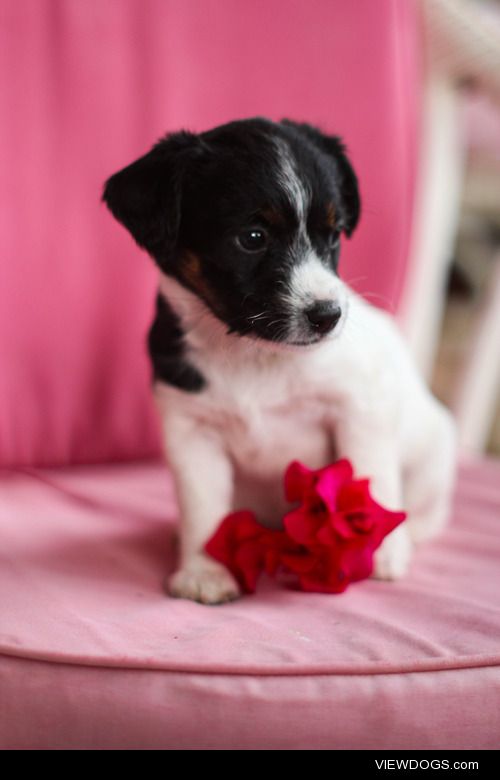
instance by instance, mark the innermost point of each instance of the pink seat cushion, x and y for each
(94, 655)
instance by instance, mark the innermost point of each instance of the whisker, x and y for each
(356, 280)
(381, 298)
(276, 322)
(262, 315)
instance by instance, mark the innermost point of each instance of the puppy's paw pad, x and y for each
(392, 559)
(208, 584)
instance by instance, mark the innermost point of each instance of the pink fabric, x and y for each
(93, 654)
(482, 124)
(86, 87)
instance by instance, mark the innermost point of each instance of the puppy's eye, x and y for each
(252, 240)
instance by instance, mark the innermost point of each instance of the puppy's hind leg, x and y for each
(380, 463)
(428, 481)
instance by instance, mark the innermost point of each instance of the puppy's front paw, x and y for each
(392, 559)
(203, 580)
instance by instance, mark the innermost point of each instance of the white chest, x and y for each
(264, 430)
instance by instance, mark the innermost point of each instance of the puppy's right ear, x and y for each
(146, 195)
(333, 147)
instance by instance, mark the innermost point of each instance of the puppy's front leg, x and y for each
(203, 478)
(373, 453)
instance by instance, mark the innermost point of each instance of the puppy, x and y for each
(261, 354)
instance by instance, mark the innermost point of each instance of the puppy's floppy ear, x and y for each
(146, 195)
(334, 148)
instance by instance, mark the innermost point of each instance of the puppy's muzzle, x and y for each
(322, 317)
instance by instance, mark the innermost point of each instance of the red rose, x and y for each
(339, 524)
(302, 484)
(358, 518)
(247, 549)
(328, 540)
(237, 544)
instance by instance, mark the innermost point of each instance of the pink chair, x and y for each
(93, 655)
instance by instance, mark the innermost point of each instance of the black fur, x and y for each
(188, 200)
(348, 182)
(168, 353)
(146, 195)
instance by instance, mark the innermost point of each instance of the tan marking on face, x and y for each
(330, 215)
(191, 269)
(273, 216)
(192, 274)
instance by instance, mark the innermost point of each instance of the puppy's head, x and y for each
(249, 218)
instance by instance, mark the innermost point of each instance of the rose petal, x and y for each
(387, 521)
(248, 564)
(300, 562)
(357, 562)
(302, 525)
(327, 535)
(354, 494)
(330, 481)
(238, 544)
(327, 575)
(313, 585)
(298, 478)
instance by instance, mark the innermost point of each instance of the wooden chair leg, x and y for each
(476, 395)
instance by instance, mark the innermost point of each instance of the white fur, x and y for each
(290, 182)
(356, 395)
(311, 282)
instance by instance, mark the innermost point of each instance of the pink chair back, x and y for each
(88, 86)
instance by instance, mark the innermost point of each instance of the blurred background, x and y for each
(463, 44)
(86, 86)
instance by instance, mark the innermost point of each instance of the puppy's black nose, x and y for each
(323, 316)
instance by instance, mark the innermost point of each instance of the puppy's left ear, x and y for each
(332, 146)
(146, 196)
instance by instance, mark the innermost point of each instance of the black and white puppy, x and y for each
(261, 354)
